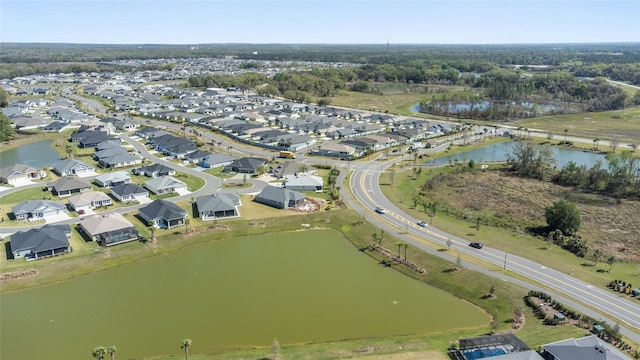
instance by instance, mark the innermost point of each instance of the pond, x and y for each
(39, 154)
(309, 286)
(500, 151)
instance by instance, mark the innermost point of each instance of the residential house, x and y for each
(291, 168)
(216, 160)
(68, 167)
(89, 200)
(303, 183)
(108, 229)
(163, 214)
(196, 156)
(217, 206)
(154, 171)
(66, 186)
(112, 179)
(89, 138)
(246, 165)
(279, 198)
(119, 161)
(105, 153)
(165, 185)
(109, 144)
(129, 192)
(20, 173)
(150, 133)
(174, 146)
(33, 210)
(38, 243)
(337, 150)
(589, 347)
(55, 126)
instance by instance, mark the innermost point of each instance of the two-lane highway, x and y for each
(364, 184)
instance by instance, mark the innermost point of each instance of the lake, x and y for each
(39, 154)
(500, 151)
(309, 286)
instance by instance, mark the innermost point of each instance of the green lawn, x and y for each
(193, 183)
(217, 172)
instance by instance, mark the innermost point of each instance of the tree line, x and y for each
(621, 177)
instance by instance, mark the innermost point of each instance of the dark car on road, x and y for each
(476, 245)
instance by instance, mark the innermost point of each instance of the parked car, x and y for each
(380, 210)
(476, 245)
(422, 223)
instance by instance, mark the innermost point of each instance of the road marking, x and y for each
(589, 296)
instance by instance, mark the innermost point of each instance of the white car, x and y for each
(380, 210)
(422, 223)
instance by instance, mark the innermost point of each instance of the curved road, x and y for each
(364, 184)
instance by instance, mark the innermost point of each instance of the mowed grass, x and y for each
(603, 125)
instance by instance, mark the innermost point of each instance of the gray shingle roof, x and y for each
(46, 238)
(162, 209)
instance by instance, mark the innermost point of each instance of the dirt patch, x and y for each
(608, 224)
(18, 275)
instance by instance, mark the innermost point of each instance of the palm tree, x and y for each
(69, 149)
(565, 135)
(405, 246)
(152, 230)
(229, 150)
(636, 355)
(99, 352)
(399, 245)
(186, 225)
(185, 345)
(112, 351)
(275, 348)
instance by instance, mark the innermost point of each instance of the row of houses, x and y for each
(113, 228)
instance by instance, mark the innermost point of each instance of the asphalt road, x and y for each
(364, 185)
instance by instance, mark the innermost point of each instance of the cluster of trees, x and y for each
(243, 81)
(620, 177)
(620, 72)
(7, 133)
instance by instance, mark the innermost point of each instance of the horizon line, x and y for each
(320, 43)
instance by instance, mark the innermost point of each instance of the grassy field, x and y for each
(490, 194)
(604, 125)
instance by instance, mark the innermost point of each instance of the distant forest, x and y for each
(490, 68)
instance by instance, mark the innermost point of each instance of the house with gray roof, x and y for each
(119, 161)
(55, 126)
(586, 348)
(303, 183)
(216, 160)
(68, 185)
(89, 200)
(151, 133)
(286, 168)
(165, 185)
(34, 210)
(154, 170)
(163, 214)
(105, 153)
(20, 173)
(113, 178)
(38, 243)
(108, 229)
(68, 167)
(246, 165)
(129, 192)
(279, 198)
(217, 206)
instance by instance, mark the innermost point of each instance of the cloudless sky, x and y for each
(316, 21)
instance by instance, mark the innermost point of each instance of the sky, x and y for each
(319, 21)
